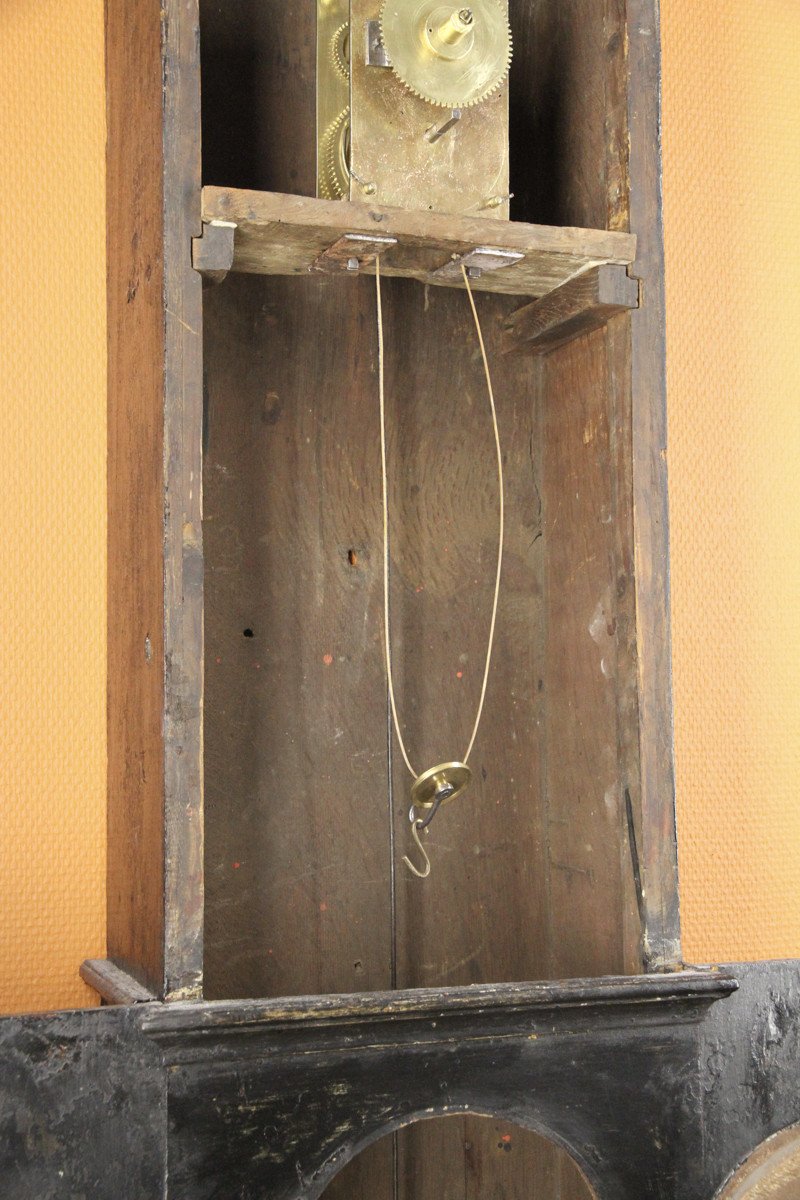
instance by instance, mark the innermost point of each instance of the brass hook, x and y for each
(415, 828)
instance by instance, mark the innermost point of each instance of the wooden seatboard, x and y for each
(281, 234)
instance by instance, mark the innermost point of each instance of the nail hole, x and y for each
(248, 633)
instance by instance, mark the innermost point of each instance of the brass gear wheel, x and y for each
(334, 158)
(450, 57)
(339, 51)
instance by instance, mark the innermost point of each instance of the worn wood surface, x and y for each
(155, 606)
(568, 113)
(587, 603)
(278, 234)
(509, 1066)
(771, 1173)
(662, 1085)
(136, 347)
(580, 306)
(656, 800)
(212, 252)
(183, 534)
(113, 985)
(297, 811)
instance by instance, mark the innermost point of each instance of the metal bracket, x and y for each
(477, 262)
(212, 253)
(351, 252)
(375, 52)
(434, 132)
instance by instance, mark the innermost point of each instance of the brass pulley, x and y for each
(440, 785)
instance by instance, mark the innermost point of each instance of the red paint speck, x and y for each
(459, 674)
(506, 1138)
(323, 907)
(327, 659)
(236, 866)
(219, 660)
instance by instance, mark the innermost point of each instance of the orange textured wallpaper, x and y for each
(731, 184)
(732, 174)
(52, 500)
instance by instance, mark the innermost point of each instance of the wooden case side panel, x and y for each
(590, 743)
(154, 547)
(586, 128)
(135, 888)
(655, 805)
(183, 513)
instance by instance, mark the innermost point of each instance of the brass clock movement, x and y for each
(412, 104)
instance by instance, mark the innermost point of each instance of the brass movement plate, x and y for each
(375, 139)
(333, 98)
(464, 171)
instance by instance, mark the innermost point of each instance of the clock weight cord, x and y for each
(438, 776)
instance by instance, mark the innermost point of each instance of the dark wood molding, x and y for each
(473, 1009)
(656, 1087)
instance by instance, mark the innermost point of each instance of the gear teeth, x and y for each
(332, 184)
(455, 102)
(340, 64)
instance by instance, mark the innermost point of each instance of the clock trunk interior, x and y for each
(306, 795)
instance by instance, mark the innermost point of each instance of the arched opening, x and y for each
(461, 1157)
(772, 1172)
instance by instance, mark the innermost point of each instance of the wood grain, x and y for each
(155, 899)
(587, 672)
(136, 343)
(298, 894)
(183, 507)
(458, 926)
(656, 800)
(568, 113)
(284, 235)
(296, 754)
(581, 305)
(113, 985)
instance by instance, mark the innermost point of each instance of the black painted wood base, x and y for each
(658, 1086)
